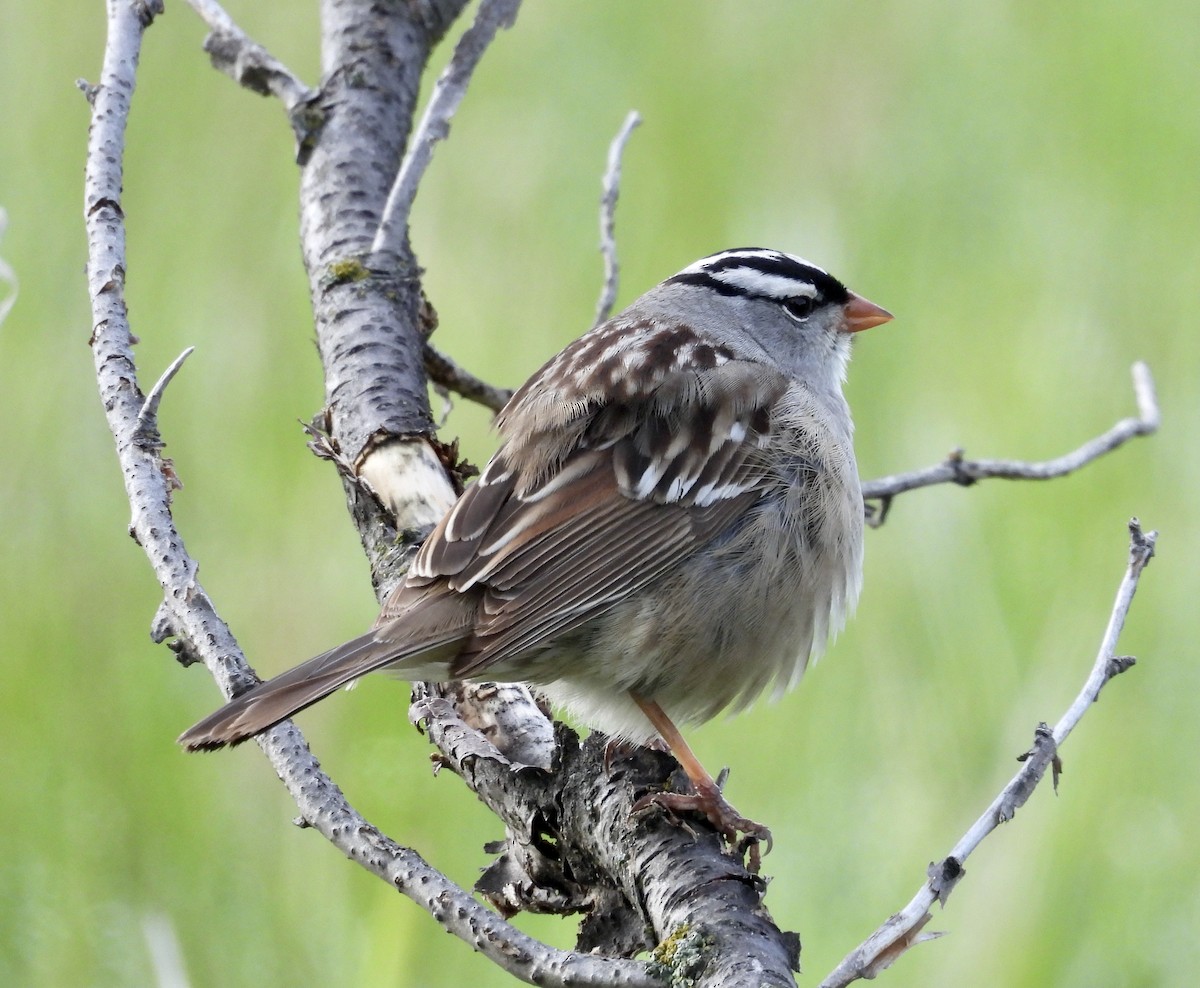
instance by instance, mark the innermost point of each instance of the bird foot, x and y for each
(741, 834)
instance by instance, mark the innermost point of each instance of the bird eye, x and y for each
(799, 307)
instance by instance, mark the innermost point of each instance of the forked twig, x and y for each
(608, 208)
(959, 470)
(903, 929)
(448, 93)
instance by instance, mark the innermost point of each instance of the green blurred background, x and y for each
(1016, 181)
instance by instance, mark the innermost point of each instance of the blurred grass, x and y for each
(1016, 181)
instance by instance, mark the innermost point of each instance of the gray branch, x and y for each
(574, 845)
(611, 186)
(447, 94)
(904, 929)
(367, 305)
(445, 372)
(959, 470)
(250, 65)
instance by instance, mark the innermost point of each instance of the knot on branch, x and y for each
(163, 627)
(1043, 754)
(876, 510)
(960, 470)
(147, 10)
(1117, 665)
(943, 876)
(1141, 545)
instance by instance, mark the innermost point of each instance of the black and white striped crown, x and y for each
(757, 273)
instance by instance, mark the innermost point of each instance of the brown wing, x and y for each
(552, 579)
(638, 486)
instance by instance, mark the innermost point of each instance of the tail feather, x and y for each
(265, 705)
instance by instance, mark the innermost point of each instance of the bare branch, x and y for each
(369, 311)
(445, 372)
(1108, 664)
(901, 930)
(249, 64)
(324, 807)
(608, 209)
(959, 470)
(448, 93)
(575, 844)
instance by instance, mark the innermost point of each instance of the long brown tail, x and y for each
(420, 639)
(266, 704)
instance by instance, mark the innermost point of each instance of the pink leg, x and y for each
(707, 798)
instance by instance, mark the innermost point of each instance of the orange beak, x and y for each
(861, 314)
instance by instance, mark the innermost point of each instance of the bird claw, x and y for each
(741, 834)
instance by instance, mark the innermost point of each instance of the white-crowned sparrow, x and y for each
(672, 524)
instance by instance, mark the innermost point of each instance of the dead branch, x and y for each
(448, 93)
(958, 470)
(903, 929)
(445, 372)
(249, 64)
(608, 217)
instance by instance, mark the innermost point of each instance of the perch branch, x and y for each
(959, 470)
(189, 613)
(575, 844)
(611, 185)
(903, 929)
(448, 93)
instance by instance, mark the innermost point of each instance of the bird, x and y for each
(671, 526)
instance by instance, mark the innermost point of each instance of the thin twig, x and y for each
(445, 372)
(249, 64)
(959, 470)
(146, 431)
(902, 930)
(448, 93)
(608, 209)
